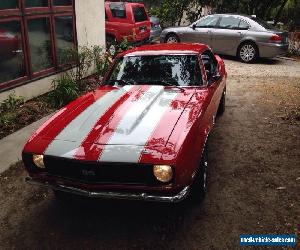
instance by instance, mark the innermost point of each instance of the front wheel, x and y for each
(247, 52)
(111, 45)
(199, 186)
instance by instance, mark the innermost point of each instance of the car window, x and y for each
(118, 10)
(177, 70)
(210, 64)
(207, 22)
(243, 25)
(140, 14)
(228, 22)
(263, 23)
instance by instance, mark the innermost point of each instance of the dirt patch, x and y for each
(254, 186)
(23, 115)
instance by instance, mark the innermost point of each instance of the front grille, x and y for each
(98, 172)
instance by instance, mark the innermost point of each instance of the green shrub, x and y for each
(11, 102)
(7, 118)
(102, 61)
(64, 91)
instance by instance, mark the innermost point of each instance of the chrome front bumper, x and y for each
(112, 195)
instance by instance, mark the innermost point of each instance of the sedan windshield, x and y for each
(168, 70)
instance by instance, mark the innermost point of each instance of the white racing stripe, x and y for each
(70, 138)
(136, 127)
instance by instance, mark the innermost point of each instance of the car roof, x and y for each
(231, 14)
(127, 3)
(166, 49)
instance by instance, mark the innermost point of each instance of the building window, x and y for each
(34, 34)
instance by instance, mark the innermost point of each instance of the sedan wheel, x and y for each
(111, 46)
(248, 53)
(172, 39)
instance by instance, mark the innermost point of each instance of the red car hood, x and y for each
(120, 120)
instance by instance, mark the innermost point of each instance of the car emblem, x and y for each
(88, 172)
(145, 152)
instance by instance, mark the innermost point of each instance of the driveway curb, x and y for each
(12, 145)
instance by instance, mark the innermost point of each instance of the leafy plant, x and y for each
(64, 91)
(7, 118)
(79, 60)
(102, 61)
(11, 102)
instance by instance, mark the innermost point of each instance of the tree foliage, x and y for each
(171, 12)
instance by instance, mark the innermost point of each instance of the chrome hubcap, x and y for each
(172, 39)
(247, 52)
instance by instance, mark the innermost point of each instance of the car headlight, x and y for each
(163, 173)
(39, 161)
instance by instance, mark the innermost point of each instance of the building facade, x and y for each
(33, 34)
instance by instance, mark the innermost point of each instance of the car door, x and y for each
(215, 84)
(227, 35)
(201, 31)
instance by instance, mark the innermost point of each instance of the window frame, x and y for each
(23, 14)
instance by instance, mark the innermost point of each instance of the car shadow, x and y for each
(84, 223)
(265, 61)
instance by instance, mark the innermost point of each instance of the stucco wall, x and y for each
(90, 25)
(90, 22)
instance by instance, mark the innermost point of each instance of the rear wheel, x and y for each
(111, 45)
(199, 186)
(172, 38)
(247, 52)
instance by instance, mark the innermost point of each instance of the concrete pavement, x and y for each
(12, 145)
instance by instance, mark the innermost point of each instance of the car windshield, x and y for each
(168, 70)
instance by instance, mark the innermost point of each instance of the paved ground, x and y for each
(254, 180)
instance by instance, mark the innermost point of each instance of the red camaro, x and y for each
(142, 135)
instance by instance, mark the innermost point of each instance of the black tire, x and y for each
(199, 186)
(172, 38)
(222, 104)
(248, 52)
(111, 45)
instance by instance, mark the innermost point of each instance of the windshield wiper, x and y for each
(165, 83)
(121, 82)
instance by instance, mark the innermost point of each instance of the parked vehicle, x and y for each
(126, 20)
(142, 135)
(9, 45)
(155, 29)
(246, 37)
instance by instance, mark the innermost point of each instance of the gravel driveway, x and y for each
(263, 68)
(254, 180)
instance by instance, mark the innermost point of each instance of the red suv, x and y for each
(126, 20)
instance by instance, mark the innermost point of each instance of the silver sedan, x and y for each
(238, 35)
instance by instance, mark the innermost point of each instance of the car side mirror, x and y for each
(194, 26)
